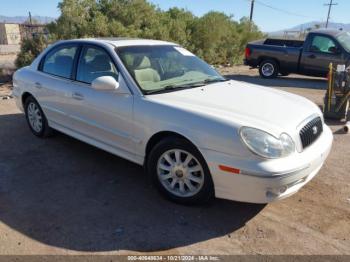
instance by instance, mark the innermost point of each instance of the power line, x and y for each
(278, 9)
(329, 10)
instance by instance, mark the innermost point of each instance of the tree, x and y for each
(30, 49)
(215, 37)
(180, 25)
(79, 18)
(247, 32)
(137, 17)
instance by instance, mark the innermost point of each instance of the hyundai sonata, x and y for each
(197, 134)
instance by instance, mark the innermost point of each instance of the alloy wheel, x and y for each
(35, 118)
(268, 69)
(180, 173)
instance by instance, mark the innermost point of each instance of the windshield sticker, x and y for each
(183, 51)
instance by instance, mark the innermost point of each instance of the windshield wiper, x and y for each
(173, 87)
(215, 80)
(186, 86)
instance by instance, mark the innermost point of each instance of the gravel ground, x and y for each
(61, 196)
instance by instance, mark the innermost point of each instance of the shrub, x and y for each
(215, 37)
(30, 49)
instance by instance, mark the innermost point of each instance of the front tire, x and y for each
(268, 69)
(179, 172)
(36, 118)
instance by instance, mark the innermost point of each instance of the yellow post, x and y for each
(330, 85)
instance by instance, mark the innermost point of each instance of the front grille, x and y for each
(311, 131)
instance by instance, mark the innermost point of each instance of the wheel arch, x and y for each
(159, 136)
(206, 192)
(25, 96)
(263, 58)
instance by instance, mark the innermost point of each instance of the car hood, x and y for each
(243, 104)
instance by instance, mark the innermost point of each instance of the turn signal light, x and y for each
(229, 169)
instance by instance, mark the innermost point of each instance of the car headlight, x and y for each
(266, 145)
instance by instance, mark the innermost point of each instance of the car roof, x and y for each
(121, 41)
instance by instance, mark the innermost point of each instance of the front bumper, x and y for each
(17, 97)
(267, 180)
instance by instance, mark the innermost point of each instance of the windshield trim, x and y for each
(347, 49)
(186, 86)
(144, 92)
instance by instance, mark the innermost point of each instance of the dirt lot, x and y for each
(61, 196)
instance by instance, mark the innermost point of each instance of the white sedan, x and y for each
(197, 134)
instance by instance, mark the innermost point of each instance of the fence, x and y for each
(9, 49)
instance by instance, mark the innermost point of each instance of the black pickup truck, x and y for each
(311, 57)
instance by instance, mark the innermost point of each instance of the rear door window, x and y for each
(59, 61)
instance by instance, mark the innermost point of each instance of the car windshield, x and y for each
(163, 68)
(344, 40)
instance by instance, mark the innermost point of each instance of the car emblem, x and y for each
(314, 130)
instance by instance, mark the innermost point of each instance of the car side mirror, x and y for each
(105, 83)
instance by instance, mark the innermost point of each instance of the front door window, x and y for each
(323, 44)
(94, 63)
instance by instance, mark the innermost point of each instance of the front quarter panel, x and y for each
(204, 131)
(23, 82)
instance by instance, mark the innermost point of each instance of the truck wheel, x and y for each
(268, 69)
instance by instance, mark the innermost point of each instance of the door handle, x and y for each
(38, 85)
(312, 56)
(77, 96)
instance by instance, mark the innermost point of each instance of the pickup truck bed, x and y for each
(309, 57)
(283, 42)
(287, 56)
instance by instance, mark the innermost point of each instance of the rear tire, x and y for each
(268, 69)
(179, 172)
(36, 118)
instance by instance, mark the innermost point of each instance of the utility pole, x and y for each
(251, 10)
(329, 10)
(30, 18)
(251, 14)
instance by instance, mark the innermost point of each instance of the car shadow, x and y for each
(294, 81)
(67, 194)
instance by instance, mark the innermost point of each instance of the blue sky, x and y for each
(289, 13)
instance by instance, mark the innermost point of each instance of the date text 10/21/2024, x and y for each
(173, 258)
